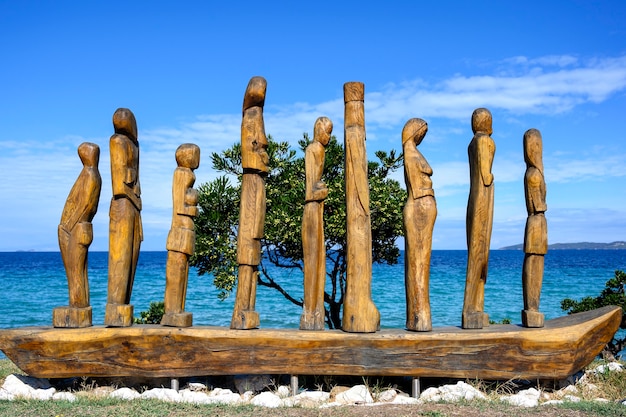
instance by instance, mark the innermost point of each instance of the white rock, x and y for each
(194, 397)
(6, 395)
(571, 398)
(283, 391)
(247, 396)
(267, 399)
(196, 386)
(220, 391)
(387, 395)
(232, 398)
(431, 394)
(43, 394)
(452, 393)
(358, 394)
(125, 394)
(64, 396)
(163, 394)
(570, 389)
(405, 399)
(525, 398)
(307, 399)
(611, 366)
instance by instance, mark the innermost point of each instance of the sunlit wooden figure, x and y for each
(75, 236)
(313, 244)
(254, 161)
(360, 315)
(420, 212)
(536, 234)
(181, 239)
(125, 230)
(479, 221)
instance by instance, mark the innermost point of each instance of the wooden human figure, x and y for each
(420, 212)
(125, 231)
(360, 315)
(536, 234)
(254, 161)
(313, 244)
(75, 236)
(481, 152)
(181, 239)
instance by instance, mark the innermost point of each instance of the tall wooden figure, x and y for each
(313, 244)
(181, 239)
(125, 231)
(360, 315)
(75, 236)
(420, 212)
(536, 235)
(254, 161)
(479, 220)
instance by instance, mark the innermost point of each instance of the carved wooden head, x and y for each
(125, 124)
(414, 130)
(188, 156)
(89, 154)
(322, 130)
(481, 121)
(533, 149)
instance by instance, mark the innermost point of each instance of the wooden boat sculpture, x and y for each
(536, 349)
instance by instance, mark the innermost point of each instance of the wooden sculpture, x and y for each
(536, 234)
(181, 240)
(254, 161)
(420, 212)
(125, 231)
(479, 221)
(360, 315)
(313, 244)
(75, 236)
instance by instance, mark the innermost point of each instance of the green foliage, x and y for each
(216, 224)
(153, 315)
(612, 294)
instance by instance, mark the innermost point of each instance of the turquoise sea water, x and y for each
(33, 283)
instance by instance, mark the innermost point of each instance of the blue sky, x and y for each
(557, 66)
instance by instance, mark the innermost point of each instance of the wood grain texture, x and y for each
(479, 219)
(420, 212)
(536, 233)
(75, 236)
(125, 229)
(254, 161)
(313, 243)
(182, 236)
(559, 349)
(359, 312)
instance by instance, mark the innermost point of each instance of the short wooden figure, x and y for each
(313, 243)
(360, 315)
(125, 230)
(536, 234)
(420, 212)
(479, 221)
(75, 236)
(254, 161)
(181, 239)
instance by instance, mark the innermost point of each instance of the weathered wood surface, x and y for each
(420, 212)
(479, 219)
(181, 239)
(125, 229)
(359, 312)
(313, 243)
(560, 348)
(536, 233)
(75, 236)
(254, 162)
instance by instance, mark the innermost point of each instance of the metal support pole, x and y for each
(174, 384)
(415, 388)
(294, 384)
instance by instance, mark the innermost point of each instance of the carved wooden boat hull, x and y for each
(564, 346)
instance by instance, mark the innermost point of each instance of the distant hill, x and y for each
(580, 245)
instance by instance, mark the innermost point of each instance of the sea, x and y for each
(33, 283)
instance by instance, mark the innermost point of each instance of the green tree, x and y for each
(216, 224)
(612, 294)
